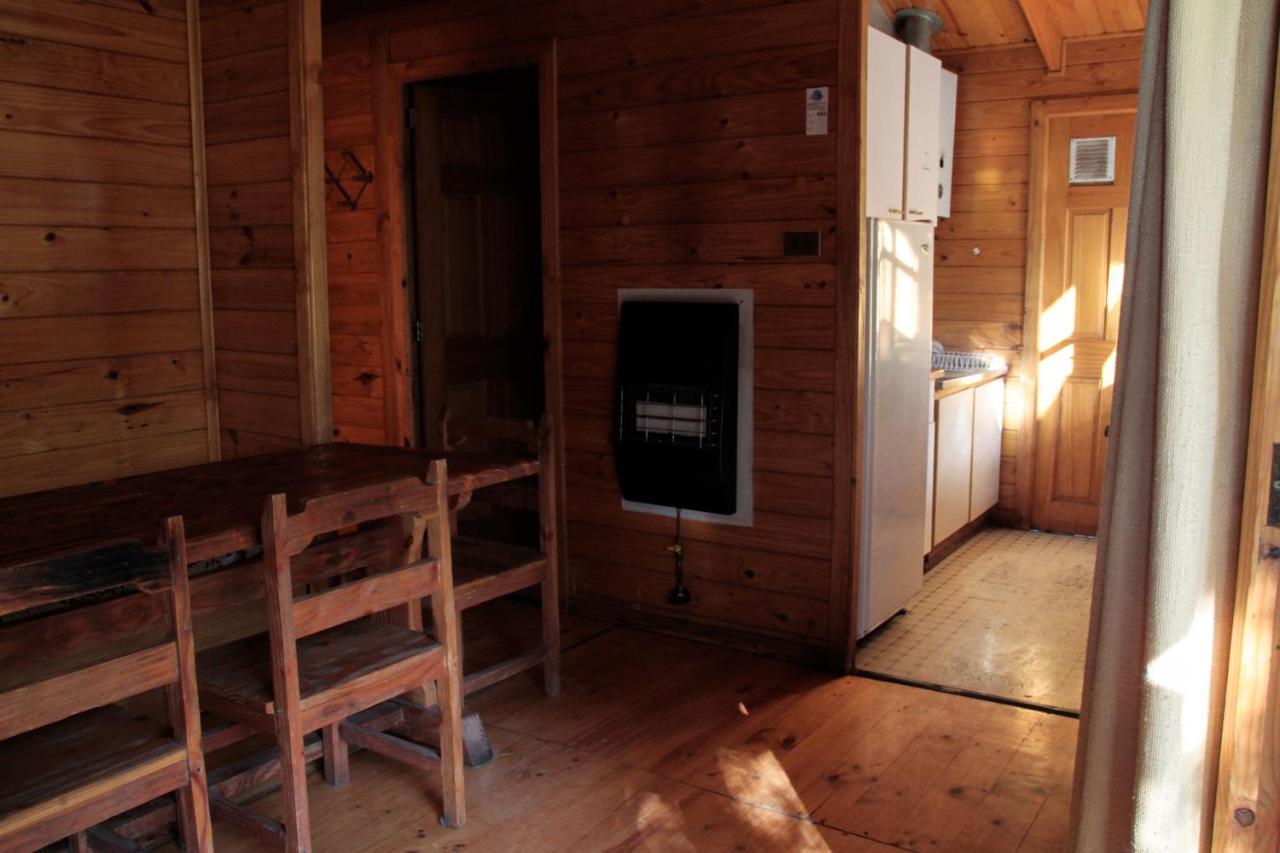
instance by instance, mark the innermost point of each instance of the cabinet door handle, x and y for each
(916, 212)
(895, 210)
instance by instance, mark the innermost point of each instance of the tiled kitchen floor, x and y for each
(1005, 615)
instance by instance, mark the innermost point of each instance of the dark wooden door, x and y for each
(476, 204)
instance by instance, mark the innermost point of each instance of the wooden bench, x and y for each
(69, 756)
(485, 569)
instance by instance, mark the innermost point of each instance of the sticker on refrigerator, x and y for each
(815, 111)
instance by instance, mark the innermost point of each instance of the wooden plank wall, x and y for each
(683, 158)
(979, 298)
(247, 129)
(102, 369)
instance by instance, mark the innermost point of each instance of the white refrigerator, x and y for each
(896, 407)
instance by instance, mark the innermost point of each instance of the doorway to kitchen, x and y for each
(1006, 613)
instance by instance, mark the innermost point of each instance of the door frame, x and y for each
(1246, 813)
(391, 145)
(1042, 111)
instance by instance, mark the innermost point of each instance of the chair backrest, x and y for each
(109, 662)
(403, 512)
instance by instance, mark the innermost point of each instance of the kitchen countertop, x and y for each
(944, 387)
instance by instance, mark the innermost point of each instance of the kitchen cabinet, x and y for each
(924, 114)
(886, 123)
(953, 465)
(930, 453)
(988, 428)
(946, 141)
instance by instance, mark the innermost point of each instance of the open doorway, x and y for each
(1006, 614)
(475, 206)
(474, 199)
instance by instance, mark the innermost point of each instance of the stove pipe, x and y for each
(917, 26)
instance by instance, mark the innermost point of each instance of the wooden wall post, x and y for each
(306, 145)
(852, 20)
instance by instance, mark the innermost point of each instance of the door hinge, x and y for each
(417, 331)
(1273, 501)
(411, 118)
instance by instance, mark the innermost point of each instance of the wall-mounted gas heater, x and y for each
(676, 436)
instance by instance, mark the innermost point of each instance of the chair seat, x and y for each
(75, 764)
(239, 674)
(484, 570)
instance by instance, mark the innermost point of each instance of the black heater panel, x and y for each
(676, 436)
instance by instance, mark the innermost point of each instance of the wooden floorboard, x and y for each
(665, 744)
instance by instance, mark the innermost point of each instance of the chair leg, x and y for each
(193, 813)
(551, 636)
(449, 690)
(337, 768)
(293, 782)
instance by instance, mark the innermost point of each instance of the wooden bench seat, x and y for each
(74, 769)
(235, 679)
(484, 570)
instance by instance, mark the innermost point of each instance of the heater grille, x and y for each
(670, 414)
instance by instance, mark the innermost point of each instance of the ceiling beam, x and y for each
(1045, 29)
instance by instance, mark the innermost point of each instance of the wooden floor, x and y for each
(664, 744)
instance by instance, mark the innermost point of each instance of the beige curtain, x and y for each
(1167, 546)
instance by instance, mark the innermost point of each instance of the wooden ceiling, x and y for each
(980, 23)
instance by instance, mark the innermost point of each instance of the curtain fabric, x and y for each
(1149, 729)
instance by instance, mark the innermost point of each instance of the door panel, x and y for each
(1078, 303)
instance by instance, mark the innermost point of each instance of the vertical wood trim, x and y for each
(306, 148)
(1247, 811)
(1024, 479)
(549, 189)
(852, 21)
(199, 183)
(389, 150)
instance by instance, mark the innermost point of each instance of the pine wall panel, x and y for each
(102, 365)
(683, 157)
(247, 130)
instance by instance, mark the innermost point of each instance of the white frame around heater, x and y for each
(744, 298)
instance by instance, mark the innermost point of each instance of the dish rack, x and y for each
(967, 361)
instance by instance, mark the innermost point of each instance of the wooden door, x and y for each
(1081, 226)
(478, 240)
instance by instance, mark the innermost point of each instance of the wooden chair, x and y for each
(69, 757)
(323, 660)
(485, 570)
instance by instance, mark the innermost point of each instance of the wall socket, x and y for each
(802, 244)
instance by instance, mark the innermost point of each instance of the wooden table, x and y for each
(220, 502)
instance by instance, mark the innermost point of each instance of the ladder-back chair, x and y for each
(330, 654)
(70, 757)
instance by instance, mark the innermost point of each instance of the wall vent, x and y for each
(1093, 160)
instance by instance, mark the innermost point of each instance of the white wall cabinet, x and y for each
(953, 466)
(988, 426)
(924, 115)
(946, 141)
(910, 123)
(886, 123)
